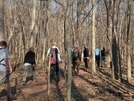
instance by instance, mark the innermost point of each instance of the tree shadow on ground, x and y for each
(74, 90)
(60, 96)
(76, 94)
(127, 84)
(102, 89)
(29, 78)
(4, 93)
(17, 66)
(104, 73)
(117, 88)
(124, 82)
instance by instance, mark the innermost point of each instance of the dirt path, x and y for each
(85, 87)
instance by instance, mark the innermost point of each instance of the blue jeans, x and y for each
(26, 70)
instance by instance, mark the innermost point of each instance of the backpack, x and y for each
(75, 54)
(53, 53)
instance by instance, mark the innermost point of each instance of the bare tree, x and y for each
(68, 48)
(1, 19)
(93, 37)
(34, 2)
(128, 43)
(108, 5)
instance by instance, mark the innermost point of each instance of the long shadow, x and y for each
(16, 66)
(74, 90)
(60, 96)
(3, 93)
(127, 84)
(78, 97)
(13, 91)
(124, 82)
(53, 78)
(117, 89)
(29, 78)
(104, 73)
(76, 94)
(62, 73)
(103, 88)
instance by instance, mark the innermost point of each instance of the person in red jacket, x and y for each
(54, 53)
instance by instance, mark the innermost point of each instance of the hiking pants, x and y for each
(55, 68)
(26, 70)
(86, 61)
(97, 58)
(76, 64)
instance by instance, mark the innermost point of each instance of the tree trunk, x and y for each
(67, 47)
(46, 33)
(48, 81)
(2, 20)
(33, 22)
(114, 46)
(128, 43)
(93, 37)
(78, 20)
(108, 4)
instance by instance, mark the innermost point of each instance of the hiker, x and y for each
(5, 69)
(86, 56)
(29, 65)
(76, 58)
(103, 56)
(54, 61)
(97, 56)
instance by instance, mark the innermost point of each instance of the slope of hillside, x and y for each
(85, 87)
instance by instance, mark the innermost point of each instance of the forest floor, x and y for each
(85, 86)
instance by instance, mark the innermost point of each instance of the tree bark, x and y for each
(2, 20)
(67, 47)
(33, 22)
(93, 37)
(108, 5)
(128, 43)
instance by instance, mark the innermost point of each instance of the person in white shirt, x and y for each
(55, 63)
(53, 46)
(5, 68)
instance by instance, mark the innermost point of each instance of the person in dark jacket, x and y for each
(86, 56)
(103, 56)
(29, 64)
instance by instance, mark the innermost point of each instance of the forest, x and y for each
(94, 23)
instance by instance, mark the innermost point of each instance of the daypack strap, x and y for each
(2, 60)
(2, 64)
